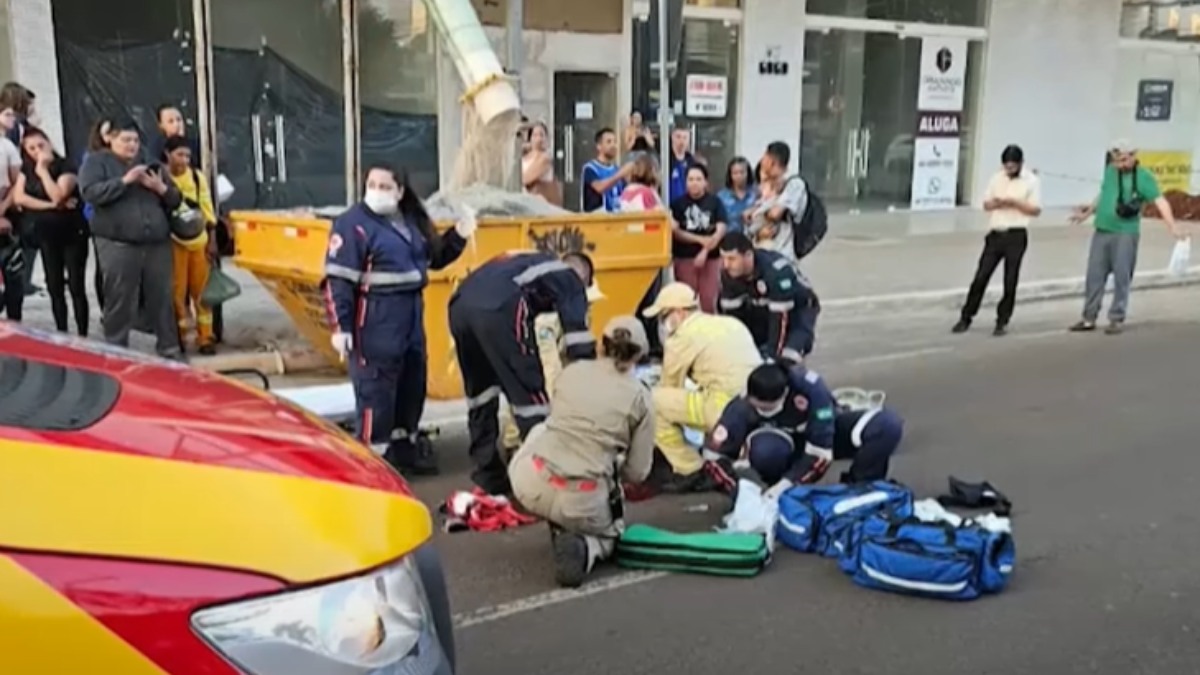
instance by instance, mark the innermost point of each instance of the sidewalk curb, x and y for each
(1038, 291)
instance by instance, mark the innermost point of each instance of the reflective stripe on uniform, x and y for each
(540, 270)
(343, 272)
(579, 337)
(531, 410)
(767, 431)
(861, 425)
(411, 277)
(733, 303)
(778, 306)
(486, 396)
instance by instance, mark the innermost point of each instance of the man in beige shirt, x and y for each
(1013, 198)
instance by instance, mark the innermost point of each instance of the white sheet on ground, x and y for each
(752, 514)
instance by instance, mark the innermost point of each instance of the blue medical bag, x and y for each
(821, 518)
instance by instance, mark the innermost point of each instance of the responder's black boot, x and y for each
(962, 326)
(1001, 329)
(413, 458)
(570, 558)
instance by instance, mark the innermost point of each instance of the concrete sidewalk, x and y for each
(881, 262)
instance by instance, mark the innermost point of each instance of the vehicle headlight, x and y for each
(377, 623)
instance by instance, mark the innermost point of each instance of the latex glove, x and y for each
(822, 454)
(467, 224)
(342, 344)
(773, 493)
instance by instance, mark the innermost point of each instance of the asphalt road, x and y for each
(1092, 436)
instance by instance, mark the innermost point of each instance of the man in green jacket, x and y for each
(1127, 187)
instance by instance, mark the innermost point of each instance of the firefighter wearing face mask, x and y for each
(789, 427)
(375, 271)
(716, 353)
(547, 329)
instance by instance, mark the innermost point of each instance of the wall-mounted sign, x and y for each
(707, 95)
(1172, 168)
(773, 62)
(1154, 100)
(937, 141)
(943, 74)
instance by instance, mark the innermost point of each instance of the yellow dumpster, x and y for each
(286, 252)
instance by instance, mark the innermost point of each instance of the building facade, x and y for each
(888, 104)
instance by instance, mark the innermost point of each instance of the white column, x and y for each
(1047, 86)
(769, 105)
(35, 64)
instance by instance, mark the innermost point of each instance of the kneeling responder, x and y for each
(717, 353)
(376, 267)
(549, 335)
(790, 428)
(765, 291)
(492, 322)
(566, 470)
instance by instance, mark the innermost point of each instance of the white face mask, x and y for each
(666, 328)
(383, 202)
(773, 410)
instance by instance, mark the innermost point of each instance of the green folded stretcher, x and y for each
(731, 555)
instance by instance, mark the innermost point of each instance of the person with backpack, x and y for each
(765, 291)
(192, 256)
(789, 219)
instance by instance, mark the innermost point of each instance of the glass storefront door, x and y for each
(278, 89)
(859, 117)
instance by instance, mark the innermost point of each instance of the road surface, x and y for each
(1094, 438)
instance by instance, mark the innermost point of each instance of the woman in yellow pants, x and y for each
(192, 256)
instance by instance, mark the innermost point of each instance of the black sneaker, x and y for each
(570, 559)
(1000, 330)
(961, 327)
(1084, 326)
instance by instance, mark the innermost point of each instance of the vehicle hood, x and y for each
(191, 467)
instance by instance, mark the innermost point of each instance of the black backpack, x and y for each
(810, 227)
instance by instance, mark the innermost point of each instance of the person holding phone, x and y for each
(130, 223)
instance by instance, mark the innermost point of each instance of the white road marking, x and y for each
(900, 356)
(1058, 332)
(534, 602)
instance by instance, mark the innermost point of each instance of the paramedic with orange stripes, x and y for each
(765, 291)
(492, 316)
(376, 268)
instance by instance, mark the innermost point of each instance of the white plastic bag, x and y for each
(1181, 257)
(752, 514)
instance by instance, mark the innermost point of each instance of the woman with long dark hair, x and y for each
(738, 194)
(48, 191)
(99, 138)
(376, 268)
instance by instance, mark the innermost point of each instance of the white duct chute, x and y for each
(492, 114)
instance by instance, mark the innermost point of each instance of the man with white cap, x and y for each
(717, 354)
(1125, 190)
(548, 333)
(601, 425)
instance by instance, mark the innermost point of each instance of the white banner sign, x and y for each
(935, 173)
(943, 74)
(707, 95)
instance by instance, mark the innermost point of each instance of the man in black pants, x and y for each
(1013, 199)
(492, 322)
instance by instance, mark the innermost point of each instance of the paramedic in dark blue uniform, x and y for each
(380, 251)
(492, 322)
(790, 429)
(765, 291)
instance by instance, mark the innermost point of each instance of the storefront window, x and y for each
(941, 12)
(277, 82)
(122, 57)
(1160, 19)
(703, 87)
(398, 88)
(1156, 105)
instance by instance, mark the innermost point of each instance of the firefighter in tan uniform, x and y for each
(717, 354)
(549, 334)
(601, 425)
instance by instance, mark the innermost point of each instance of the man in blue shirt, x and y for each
(602, 179)
(681, 160)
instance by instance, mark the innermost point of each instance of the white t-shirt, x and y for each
(10, 160)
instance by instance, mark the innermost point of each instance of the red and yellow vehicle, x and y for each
(158, 519)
